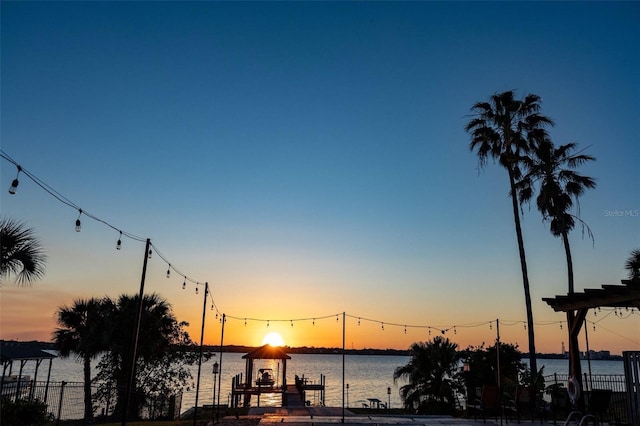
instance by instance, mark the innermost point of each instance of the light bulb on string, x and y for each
(358, 322)
(267, 323)
(429, 331)
(313, 322)
(149, 254)
(212, 306)
(217, 316)
(490, 326)
(169, 271)
(405, 329)
(560, 325)
(196, 289)
(78, 225)
(119, 243)
(337, 318)
(454, 330)
(382, 326)
(245, 322)
(14, 184)
(184, 283)
(291, 323)
(524, 324)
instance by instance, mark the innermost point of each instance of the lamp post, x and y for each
(213, 408)
(389, 398)
(347, 395)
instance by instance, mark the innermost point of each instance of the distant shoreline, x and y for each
(314, 350)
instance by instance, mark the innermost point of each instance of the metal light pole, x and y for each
(204, 312)
(215, 374)
(347, 395)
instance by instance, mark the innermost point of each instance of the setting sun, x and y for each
(273, 339)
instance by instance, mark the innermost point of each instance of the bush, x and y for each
(23, 412)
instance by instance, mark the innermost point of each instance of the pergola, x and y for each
(577, 304)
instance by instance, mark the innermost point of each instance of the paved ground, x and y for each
(327, 416)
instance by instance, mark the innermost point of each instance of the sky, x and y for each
(309, 159)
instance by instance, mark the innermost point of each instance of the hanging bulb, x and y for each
(443, 331)
(382, 326)
(245, 322)
(358, 322)
(429, 331)
(119, 243)
(196, 289)
(78, 226)
(490, 326)
(594, 327)
(313, 322)
(14, 184)
(217, 317)
(267, 323)
(405, 329)
(184, 284)
(337, 317)
(169, 271)
(149, 254)
(292, 323)
(212, 306)
(455, 331)
(524, 324)
(560, 325)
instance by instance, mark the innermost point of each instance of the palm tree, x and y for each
(431, 374)
(560, 187)
(505, 129)
(84, 332)
(22, 253)
(632, 265)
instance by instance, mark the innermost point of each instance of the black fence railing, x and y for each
(617, 411)
(65, 400)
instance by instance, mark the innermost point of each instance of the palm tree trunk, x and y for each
(567, 251)
(88, 408)
(533, 365)
(575, 369)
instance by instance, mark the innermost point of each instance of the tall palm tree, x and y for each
(431, 374)
(83, 332)
(505, 129)
(559, 188)
(22, 253)
(632, 265)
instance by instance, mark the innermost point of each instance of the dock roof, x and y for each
(267, 352)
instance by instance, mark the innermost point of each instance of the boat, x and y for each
(265, 377)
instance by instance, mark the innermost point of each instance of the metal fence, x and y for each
(617, 411)
(65, 400)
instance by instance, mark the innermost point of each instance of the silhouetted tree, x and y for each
(22, 254)
(506, 129)
(552, 170)
(632, 265)
(432, 376)
(83, 331)
(164, 348)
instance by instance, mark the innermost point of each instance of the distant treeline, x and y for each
(302, 350)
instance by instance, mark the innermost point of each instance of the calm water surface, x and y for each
(368, 376)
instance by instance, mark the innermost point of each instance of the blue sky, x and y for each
(311, 157)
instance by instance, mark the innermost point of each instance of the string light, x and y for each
(184, 283)
(382, 326)
(313, 323)
(291, 323)
(149, 254)
(169, 271)
(454, 330)
(405, 329)
(358, 322)
(14, 184)
(245, 321)
(267, 323)
(119, 243)
(78, 226)
(196, 289)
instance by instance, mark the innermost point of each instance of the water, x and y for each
(368, 376)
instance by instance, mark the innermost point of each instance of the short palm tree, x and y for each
(506, 129)
(559, 188)
(83, 331)
(431, 374)
(632, 265)
(22, 254)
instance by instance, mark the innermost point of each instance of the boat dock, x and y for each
(243, 389)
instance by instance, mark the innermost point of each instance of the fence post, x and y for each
(60, 402)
